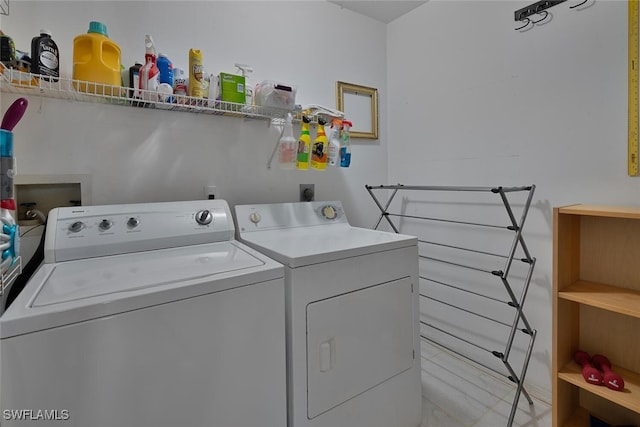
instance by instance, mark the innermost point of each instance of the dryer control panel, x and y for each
(90, 231)
(289, 215)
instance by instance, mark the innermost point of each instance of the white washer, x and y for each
(353, 353)
(146, 315)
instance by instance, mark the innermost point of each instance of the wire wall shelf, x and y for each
(27, 84)
(464, 285)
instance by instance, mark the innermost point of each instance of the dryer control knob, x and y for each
(329, 212)
(133, 222)
(255, 217)
(76, 226)
(204, 217)
(105, 224)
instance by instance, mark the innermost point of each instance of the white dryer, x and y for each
(353, 353)
(146, 315)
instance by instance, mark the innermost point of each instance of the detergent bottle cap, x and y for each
(98, 28)
(306, 119)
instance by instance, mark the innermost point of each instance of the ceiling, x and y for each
(381, 10)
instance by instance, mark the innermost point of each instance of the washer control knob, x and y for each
(76, 226)
(204, 217)
(133, 222)
(255, 217)
(105, 224)
(329, 212)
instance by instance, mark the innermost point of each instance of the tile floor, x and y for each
(455, 393)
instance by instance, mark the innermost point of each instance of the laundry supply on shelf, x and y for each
(149, 73)
(319, 148)
(345, 144)
(96, 59)
(287, 146)
(45, 57)
(195, 73)
(304, 145)
(333, 156)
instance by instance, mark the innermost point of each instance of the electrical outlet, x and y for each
(210, 192)
(307, 192)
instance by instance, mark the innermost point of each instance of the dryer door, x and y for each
(356, 341)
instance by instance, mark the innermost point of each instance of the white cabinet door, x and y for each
(356, 341)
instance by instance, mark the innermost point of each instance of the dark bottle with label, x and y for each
(134, 84)
(45, 58)
(7, 50)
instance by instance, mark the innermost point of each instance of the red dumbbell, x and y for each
(589, 372)
(611, 379)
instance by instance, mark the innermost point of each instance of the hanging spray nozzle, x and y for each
(244, 69)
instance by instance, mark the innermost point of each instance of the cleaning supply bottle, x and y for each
(287, 146)
(304, 144)
(149, 73)
(345, 144)
(319, 148)
(180, 85)
(248, 88)
(333, 156)
(96, 58)
(45, 58)
(195, 73)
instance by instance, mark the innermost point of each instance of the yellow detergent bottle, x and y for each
(304, 145)
(319, 148)
(96, 59)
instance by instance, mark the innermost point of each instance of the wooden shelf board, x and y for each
(580, 418)
(612, 298)
(602, 210)
(628, 398)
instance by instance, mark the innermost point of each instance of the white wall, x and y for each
(138, 155)
(473, 102)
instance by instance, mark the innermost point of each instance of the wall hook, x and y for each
(578, 5)
(526, 21)
(546, 15)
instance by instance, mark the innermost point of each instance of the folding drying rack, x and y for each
(449, 259)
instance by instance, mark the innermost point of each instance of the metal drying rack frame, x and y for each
(515, 303)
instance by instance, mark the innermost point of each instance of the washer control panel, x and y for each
(289, 215)
(90, 231)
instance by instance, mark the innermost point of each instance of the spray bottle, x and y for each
(248, 88)
(149, 73)
(287, 146)
(333, 158)
(345, 144)
(319, 148)
(304, 145)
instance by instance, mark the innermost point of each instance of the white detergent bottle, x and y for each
(287, 154)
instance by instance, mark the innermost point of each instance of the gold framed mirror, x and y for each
(360, 106)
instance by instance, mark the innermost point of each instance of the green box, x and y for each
(232, 88)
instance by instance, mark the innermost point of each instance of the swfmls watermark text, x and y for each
(35, 414)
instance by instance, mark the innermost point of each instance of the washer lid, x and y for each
(297, 247)
(74, 291)
(78, 280)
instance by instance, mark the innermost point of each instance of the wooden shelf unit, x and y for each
(596, 308)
